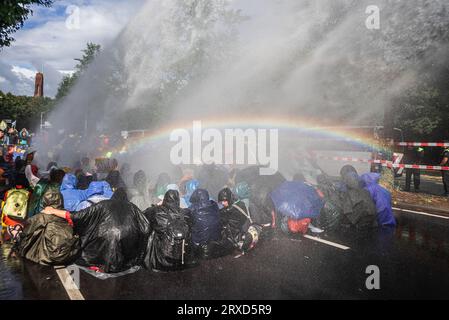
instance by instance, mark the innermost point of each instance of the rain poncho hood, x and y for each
(72, 196)
(227, 195)
(191, 186)
(96, 192)
(358, 207)
(99, 188)
(171, 200)
(381, 197)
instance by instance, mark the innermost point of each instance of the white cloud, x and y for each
(52, 45)
(24, 72)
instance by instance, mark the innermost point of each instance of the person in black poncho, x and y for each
(114, 233)
(169, 243)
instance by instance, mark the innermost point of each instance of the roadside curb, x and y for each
(404, 205)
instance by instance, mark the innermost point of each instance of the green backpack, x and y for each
(16, 203)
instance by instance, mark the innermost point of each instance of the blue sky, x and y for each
(45, 42)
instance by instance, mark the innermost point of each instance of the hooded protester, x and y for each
(43, 190)
(139, 195)
(295, 204)
(170, 242)
(260, 188)
(331, 214)
(72, 196)
(96, 192)
(381, 197)
(359, 211)
(115, 180)
(190, 187)
(114, 233)
(85, 174)
(182, 202)
(48, 240)
(206, 226)
(236, 220)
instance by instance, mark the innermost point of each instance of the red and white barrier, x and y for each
(423, 144)
(385, 163)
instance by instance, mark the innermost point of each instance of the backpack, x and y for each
(176, 240)
(16, 204)
(253, 232)
(294, 226)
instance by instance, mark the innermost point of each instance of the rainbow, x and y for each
(305, 126)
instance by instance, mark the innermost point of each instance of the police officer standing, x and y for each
(413, 156)
(445, 174)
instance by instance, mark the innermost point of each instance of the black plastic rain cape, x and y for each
(359, 210)
(169, 244)
(113, 234)
(48, 239)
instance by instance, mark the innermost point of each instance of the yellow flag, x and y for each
(3, 125)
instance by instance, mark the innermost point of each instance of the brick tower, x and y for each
(39, 85)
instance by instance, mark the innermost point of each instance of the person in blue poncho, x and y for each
(381, 197)
(72, 196)
(96, 192)
(190, 187)
(296, 200)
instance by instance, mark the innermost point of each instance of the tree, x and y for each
(13, 14)
(26, 110)
(69, 81)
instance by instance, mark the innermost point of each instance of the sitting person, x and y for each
(114, 177)
(139, 195)
(331, 214)
(84, 174)
(182, 202)
(114, 233)
(47, 240)
(359, 211)
(206, 227)
(43, 187)
(237, 221)
(72, 196)
(188, 188)
(169, 243)
(381, 197)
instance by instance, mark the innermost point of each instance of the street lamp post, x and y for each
(42, 120)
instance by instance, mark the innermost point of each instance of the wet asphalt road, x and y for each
(413, 260)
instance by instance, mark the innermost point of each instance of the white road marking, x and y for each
(336, 245)
(422, 213)
(69, 285)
